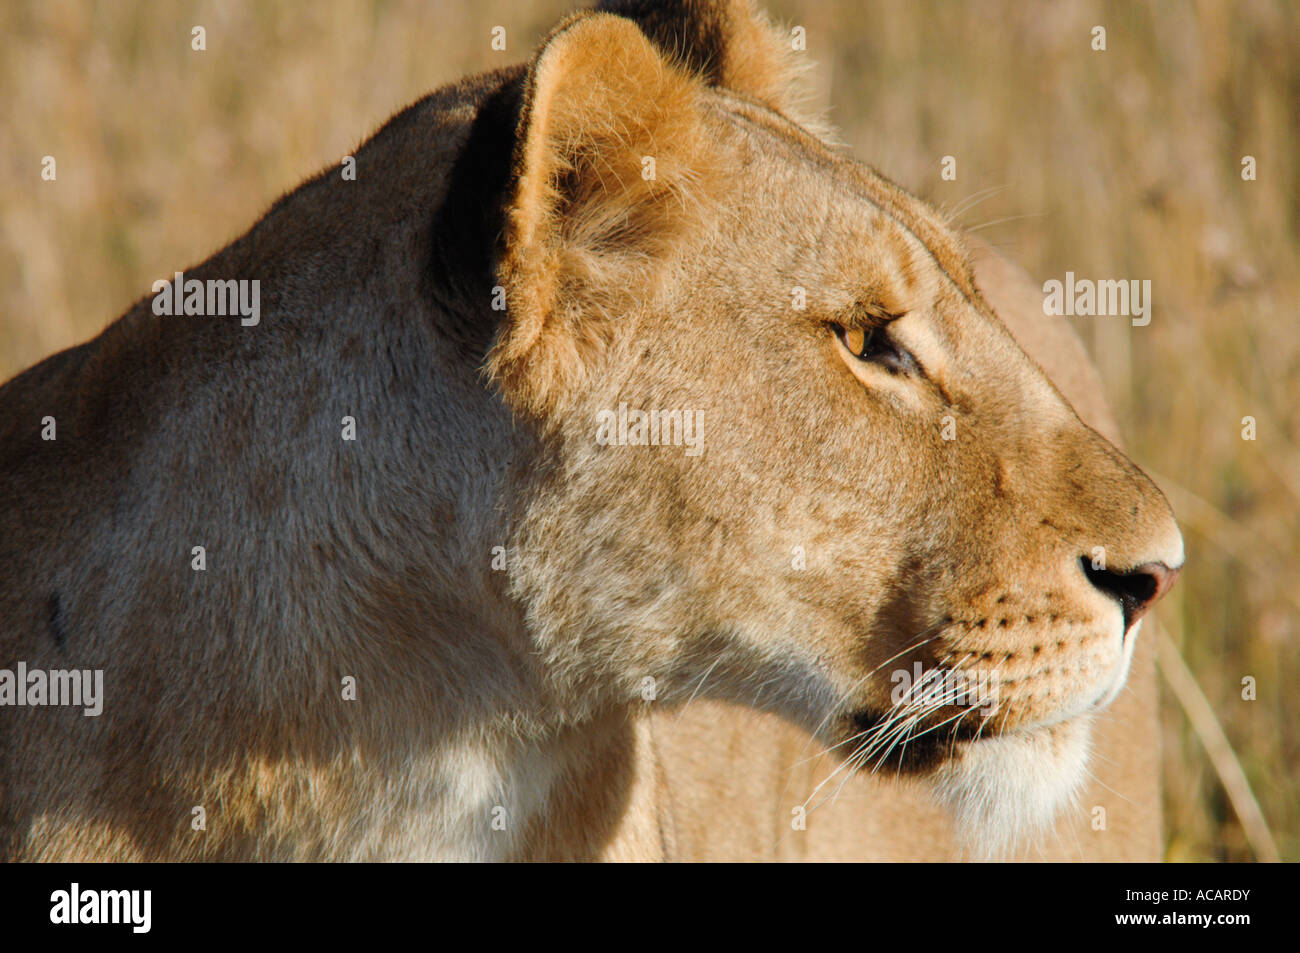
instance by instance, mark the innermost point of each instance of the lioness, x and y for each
(605, 450)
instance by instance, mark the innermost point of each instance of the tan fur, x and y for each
(595, 252)
(652, 676)
(727, 762)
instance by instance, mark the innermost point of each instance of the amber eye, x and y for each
(855, 339)
(873, 345)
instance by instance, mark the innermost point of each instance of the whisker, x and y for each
(698, 686)
(974, 199)
(1005, 219)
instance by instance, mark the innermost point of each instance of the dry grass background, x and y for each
(1115, 164)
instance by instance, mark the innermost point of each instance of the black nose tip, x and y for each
(1136, 590)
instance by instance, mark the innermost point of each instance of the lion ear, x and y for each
(731, 44)
(610, 168)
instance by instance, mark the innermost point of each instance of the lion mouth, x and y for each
(876, 740)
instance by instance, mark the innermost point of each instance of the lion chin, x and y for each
(1005, 790)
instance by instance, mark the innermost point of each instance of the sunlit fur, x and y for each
(1007, 791)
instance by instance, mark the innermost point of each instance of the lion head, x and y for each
(776, 447)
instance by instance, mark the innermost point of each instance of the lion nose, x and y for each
(1136, 590)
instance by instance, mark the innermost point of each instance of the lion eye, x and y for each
(855, 339)
(874, 345)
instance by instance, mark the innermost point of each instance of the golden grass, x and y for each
(1119, 164)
